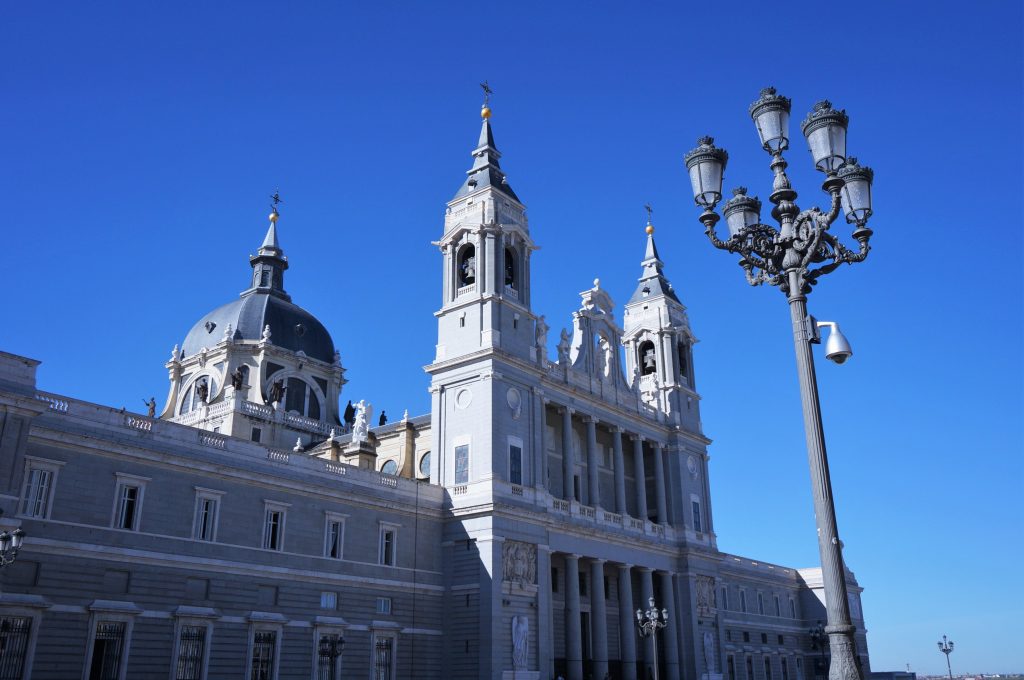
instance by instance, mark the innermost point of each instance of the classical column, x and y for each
(545, 635)
(540, 460)
(646, 593)
(593, 471)
(669, 639)
(573, 633)
(627, 624)
(659, 482)
(620, 473)
(598, 620)
(568, 457)
(641, 476)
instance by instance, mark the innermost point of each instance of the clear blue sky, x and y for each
(141, 142)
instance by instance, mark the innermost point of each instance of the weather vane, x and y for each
(487, 92)
(276, 198)
(649, 209)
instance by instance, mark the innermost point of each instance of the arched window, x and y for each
(467, 265)
(199, 392)
(646, 358)
(301, 398)
(389, 468)
(425, 464)
(511, 269)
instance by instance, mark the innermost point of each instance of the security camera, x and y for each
(837, 347)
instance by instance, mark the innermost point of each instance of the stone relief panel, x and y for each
(519, 562)
(705, 595)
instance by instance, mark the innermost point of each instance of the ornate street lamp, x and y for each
(648, 623)
(946, 647)
(819, 641)
(10, 544)
(792, 257)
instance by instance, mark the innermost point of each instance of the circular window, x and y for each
(425, 464)
(300, 330)
(390, 468)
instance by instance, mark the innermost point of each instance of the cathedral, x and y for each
(254, 527)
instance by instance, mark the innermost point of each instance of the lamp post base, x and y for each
(844, 657)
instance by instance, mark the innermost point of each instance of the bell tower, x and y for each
(485, 249)
(658, 343)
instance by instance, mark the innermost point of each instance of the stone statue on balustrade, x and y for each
(361, 425)
(277, 391)
(563, 348)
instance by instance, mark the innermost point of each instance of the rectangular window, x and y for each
(107, 651)
(264, 648)
(383, 605)
(462, 464)
(515, 464)
(730, 665)
(328, 600)
(328, 663)
(37, 493)
(191, 653)
(388, 537)
(792, 608)
(743, 601)
(274, 516)
(128, 498)
(697, 526)
(760, 603)
(764, 638)
(257, 434)
(782, 640)
(206, 514)
(785, 670)
(778, 607)
(750, 668)
(725, 598)
(334, 537)
(767, 668)
(746, 636)
(583, 584)
(272, 530)
(383, 658)
(14, 631)
(554, 579)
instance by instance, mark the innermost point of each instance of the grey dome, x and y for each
(291, 327)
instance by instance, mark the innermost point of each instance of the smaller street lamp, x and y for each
(819, 641)
(946, 647)
(10, 544)
(648, 624)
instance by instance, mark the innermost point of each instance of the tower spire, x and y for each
(652, 279)
(269, 263)
(486, 170)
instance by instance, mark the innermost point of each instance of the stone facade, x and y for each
(512, 532)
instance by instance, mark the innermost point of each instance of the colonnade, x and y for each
(591, 452)
(636, 654)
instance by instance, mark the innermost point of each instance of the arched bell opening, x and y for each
(511, 269)
(467, 265)
(646, 358)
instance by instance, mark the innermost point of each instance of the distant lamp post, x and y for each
(648, 624)
(946, 647)
(819, 641)
(10, 544)
(792, 257)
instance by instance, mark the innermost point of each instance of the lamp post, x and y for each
(793, 257)
(648, 624)
(946, 647)
(819, 641)
(10, 544)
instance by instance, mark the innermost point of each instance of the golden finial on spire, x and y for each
(650, 227)
(276, 198)
(485, 110)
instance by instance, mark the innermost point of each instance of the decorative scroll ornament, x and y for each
(519, 562)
